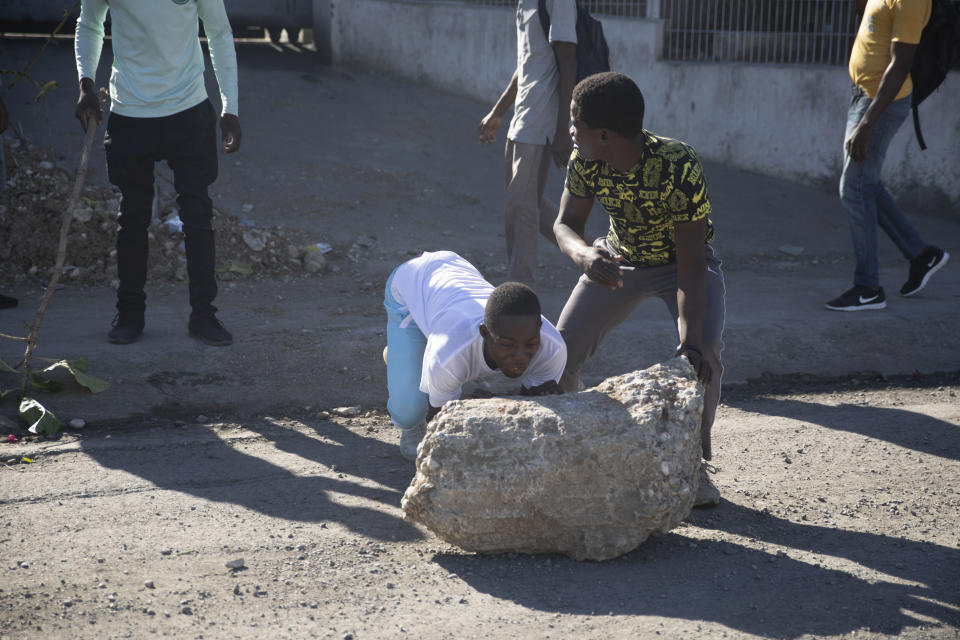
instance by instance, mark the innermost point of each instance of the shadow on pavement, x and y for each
(747, 589)
(900, 427)
(204, 465)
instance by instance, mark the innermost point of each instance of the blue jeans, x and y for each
(406, 404)
(864, 197)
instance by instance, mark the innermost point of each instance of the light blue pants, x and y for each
(866, 200)
(406, 404)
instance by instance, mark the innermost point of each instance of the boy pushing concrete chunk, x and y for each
(447, 326)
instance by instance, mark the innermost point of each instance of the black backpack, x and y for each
(937, 53)
(593, 55)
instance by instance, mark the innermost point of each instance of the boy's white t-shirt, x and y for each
(447, 296)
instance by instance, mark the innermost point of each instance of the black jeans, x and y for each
(187, 141)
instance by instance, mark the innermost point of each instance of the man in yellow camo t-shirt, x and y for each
(880, 70)
(658, 245)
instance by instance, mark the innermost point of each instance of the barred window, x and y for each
(756, 31)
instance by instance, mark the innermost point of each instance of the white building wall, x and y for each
(783, 121)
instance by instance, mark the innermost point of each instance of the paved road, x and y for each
(337, 153)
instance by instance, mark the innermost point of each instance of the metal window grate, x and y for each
(760, 31)
(753, 31)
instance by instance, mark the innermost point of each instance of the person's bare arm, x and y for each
(491, 122)
(598, 264)
(561, 145)
(901, 59)
(692, 293)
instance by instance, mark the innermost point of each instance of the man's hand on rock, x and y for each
(699, 363)
(550, 387)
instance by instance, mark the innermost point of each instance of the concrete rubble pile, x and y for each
(36, 191)
(589, 474)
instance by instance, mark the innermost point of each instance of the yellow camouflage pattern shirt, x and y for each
(664, 189)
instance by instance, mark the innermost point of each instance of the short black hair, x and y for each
(609, 100)
(510, 299)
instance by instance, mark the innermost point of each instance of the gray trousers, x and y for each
(528, 214)
(593, 311)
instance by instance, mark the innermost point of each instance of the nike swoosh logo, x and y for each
(932, 262)
(866, 300)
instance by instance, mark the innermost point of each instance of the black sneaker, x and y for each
(209, 330)
(858, 299)
(127, 327)
(922, 267)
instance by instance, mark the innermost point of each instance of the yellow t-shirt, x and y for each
(645, 204)
(884, 22)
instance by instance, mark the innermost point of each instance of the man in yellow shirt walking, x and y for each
(880, 70)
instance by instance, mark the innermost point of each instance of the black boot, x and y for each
(127, 327)
(206, 328)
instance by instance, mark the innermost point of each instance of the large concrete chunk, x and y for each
(589, 474)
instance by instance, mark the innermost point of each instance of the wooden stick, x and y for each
(61, 249)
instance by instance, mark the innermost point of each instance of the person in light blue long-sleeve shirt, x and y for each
(160, 111)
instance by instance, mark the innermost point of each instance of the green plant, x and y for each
(33, 412)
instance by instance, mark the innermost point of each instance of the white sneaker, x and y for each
(410, 440)
(707, 494)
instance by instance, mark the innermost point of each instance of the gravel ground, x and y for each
(840, 518)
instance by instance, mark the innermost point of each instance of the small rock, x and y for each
(313, 260)
(347, 412)
(255, 239)
(235, 564)
(149, 584)
(83, 214)
(187, 611)
(202, 419)
(78, 423)
(790, 249)
(166, 552)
